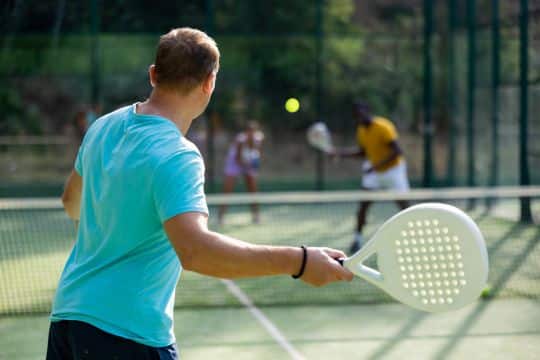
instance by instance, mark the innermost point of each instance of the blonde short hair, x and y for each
(185, 57)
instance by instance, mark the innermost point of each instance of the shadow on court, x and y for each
(497, 285)
(500, 274)
(352, 320)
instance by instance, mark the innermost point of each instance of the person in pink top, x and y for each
(243, 159)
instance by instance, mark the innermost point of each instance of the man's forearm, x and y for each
(209, 253)
(386, 161)
(218, 255)
(355, 152)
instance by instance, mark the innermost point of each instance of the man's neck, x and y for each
(171, 106)
(366, 124)
(369, 121)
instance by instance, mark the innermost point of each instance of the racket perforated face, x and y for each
(430, 256)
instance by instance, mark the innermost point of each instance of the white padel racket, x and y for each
(430, 256)
(319, 137)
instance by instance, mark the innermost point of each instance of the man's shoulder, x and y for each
(384, 124)
(381, 120)
(109, 119)
(104, 126)
(121, 112)
(188, 146)
(175, 146)
(180, 157)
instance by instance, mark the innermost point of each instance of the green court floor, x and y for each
(497, 329)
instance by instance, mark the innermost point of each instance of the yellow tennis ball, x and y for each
(486, 293)
(292, 105)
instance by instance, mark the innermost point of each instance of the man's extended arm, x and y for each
(349, 152)
(396, 151)
(209, 253)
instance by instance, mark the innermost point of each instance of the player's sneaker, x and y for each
(256, 219)
(357, 243)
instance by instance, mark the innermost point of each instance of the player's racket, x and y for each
(430, 256)
(319, 137)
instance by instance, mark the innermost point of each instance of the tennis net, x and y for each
(36, 237)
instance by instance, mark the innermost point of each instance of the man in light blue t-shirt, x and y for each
(138, 191)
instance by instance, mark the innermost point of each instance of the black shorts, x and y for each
(70, 339)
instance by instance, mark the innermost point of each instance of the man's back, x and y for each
(137, 171)
(138, 191)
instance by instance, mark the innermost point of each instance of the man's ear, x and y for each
(209, 84)
(152, 75)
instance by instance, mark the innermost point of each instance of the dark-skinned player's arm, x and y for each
(353, 152)
(395, 152)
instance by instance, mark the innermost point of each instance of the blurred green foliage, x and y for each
(370, 50)
(17, 117)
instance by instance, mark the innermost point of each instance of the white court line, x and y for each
(263, 320)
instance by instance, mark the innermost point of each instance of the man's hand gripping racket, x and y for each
(430, 256)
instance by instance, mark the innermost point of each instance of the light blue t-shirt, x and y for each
(138, 171)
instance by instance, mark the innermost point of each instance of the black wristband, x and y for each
(304, 261)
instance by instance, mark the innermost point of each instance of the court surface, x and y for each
(292, 320)
(498, 329)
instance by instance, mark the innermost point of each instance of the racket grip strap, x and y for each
(304, 261)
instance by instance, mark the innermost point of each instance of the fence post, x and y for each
(451, 61)
(210, 148)
(95, 76)
(319, 168)
(428, 90)
(495, 81)
(524, 176)
(471, 87)
(495, 76)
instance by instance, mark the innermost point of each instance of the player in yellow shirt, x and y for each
(384, 166)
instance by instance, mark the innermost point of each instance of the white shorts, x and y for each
(394, 178)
